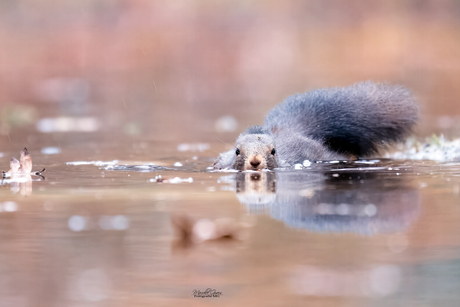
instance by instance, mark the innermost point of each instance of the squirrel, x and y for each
(325, 124)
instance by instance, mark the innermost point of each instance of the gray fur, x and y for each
(327, 124)
(254, 147)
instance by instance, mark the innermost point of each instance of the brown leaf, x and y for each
(26, 161)
(14, 165)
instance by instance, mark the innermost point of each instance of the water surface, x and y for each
(100, 231)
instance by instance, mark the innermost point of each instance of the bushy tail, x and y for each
(352, 120)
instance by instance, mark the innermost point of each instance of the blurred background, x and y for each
(164, 82)
(182, 70)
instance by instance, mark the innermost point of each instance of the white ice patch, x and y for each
(366, 161)
(96, 163)
(193, 147)
(8, 206)
(118, 222)
(224, 170)
(436, 149)
(68, 124)
(226, 124)
(51, 150)
(77, 223)
(180, 180)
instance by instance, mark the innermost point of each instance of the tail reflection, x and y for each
(356, 202)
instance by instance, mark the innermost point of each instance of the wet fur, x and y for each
(327, 124)
(252, 145)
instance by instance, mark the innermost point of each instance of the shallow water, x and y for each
(109, 231)
(123, 102)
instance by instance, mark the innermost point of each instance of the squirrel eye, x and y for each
(237, 151)
(273, 151)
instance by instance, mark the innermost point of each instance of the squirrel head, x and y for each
(255, 152)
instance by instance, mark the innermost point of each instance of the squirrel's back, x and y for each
(353, 120)
(325, 124)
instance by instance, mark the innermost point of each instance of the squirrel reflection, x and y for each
(350, 201)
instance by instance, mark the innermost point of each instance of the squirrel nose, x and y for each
(255, 160)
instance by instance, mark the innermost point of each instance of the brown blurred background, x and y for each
(168, 70)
